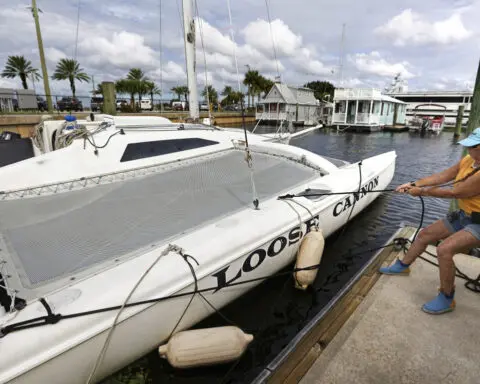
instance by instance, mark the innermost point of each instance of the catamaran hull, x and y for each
(141, 329)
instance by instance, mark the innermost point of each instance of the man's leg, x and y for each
(458, 242)
(431, 234)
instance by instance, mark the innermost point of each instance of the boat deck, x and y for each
(376, 331)
(89, 226)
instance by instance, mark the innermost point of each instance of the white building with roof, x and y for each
(292, 104)
(366, 109)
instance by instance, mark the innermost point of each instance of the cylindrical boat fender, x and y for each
(310, 253)
(201, 347)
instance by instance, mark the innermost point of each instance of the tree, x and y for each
(212, 95)
(152, 88)
(177, 90)
(21, 67)
(321, 89)
(69, 69)
(266, 86)
(251, 80)
(139, 80)
(129, 87)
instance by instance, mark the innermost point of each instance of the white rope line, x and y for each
(273, 39)
(166, 251)
(200, 23)
(234, 45)
(76, 33)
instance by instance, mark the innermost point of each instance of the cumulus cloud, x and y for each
(410, 27)
(123, 50)
(373, 63)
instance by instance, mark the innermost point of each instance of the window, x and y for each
(136, 151)
(383, 105)
(340, 106)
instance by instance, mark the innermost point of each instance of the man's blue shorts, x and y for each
(457, 220)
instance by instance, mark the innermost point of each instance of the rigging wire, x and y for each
(200, 23)
(76, 33)
(161, 56)
(273, 38)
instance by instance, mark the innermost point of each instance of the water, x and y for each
(274, 311)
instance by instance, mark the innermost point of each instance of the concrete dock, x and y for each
(389, 339)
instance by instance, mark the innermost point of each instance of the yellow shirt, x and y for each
(470, 204)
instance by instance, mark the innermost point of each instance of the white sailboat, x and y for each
(108, 218)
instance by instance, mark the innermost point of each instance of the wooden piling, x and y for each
(474, 118)
(458, 126)
(109, 106)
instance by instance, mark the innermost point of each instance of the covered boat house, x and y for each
(366, 109)
(286, 103)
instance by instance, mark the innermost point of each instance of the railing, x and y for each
(360, 93)
(271, 115)
(339, 118)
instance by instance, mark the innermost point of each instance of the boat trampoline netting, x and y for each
(56, 235)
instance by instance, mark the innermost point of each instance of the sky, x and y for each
(434, 44)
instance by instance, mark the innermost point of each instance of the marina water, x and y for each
(275, 312)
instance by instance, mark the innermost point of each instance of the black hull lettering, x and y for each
(271, 249)
(247, 265)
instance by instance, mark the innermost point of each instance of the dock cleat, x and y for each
(397, 268)
(441, 304)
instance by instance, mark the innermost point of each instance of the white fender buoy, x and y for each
(200, 347)
(310, 253)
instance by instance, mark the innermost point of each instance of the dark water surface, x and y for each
(275, 312)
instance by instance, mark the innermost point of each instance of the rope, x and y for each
(471, 284)
(273, 39)
(204, 59)
(76, 32)
(41, 320)
(234, 47)
(160, 51)
(170, 248)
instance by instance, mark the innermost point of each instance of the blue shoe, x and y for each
(397, 268)
(441, 304)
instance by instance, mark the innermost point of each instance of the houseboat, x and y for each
(296, 105)
(366, 110)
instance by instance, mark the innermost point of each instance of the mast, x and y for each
(189, 41)
(342, 52)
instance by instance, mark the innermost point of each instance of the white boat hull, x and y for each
(142, 329)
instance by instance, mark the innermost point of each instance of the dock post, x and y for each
(474, 118)
(458, 126)
(109, 106)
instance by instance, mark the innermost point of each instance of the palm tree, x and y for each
(138, 76)
(127, 86)
(152, 88)
(184, 91)
(251, 80)
(21, 67)
(177, 91)
(70, 69)
(212, 95)
(265, 87)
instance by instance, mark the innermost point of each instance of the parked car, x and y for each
(41, 104)
(69, 104)
(204, 107)
(120, 102)
(146, 105)
(96, 103)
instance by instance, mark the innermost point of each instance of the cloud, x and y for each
(257, 34)
(54, 55)
(172, 73)
(373, 63)
(410, 27)
(123, 50)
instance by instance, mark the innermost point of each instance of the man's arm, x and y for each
(439, 178)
